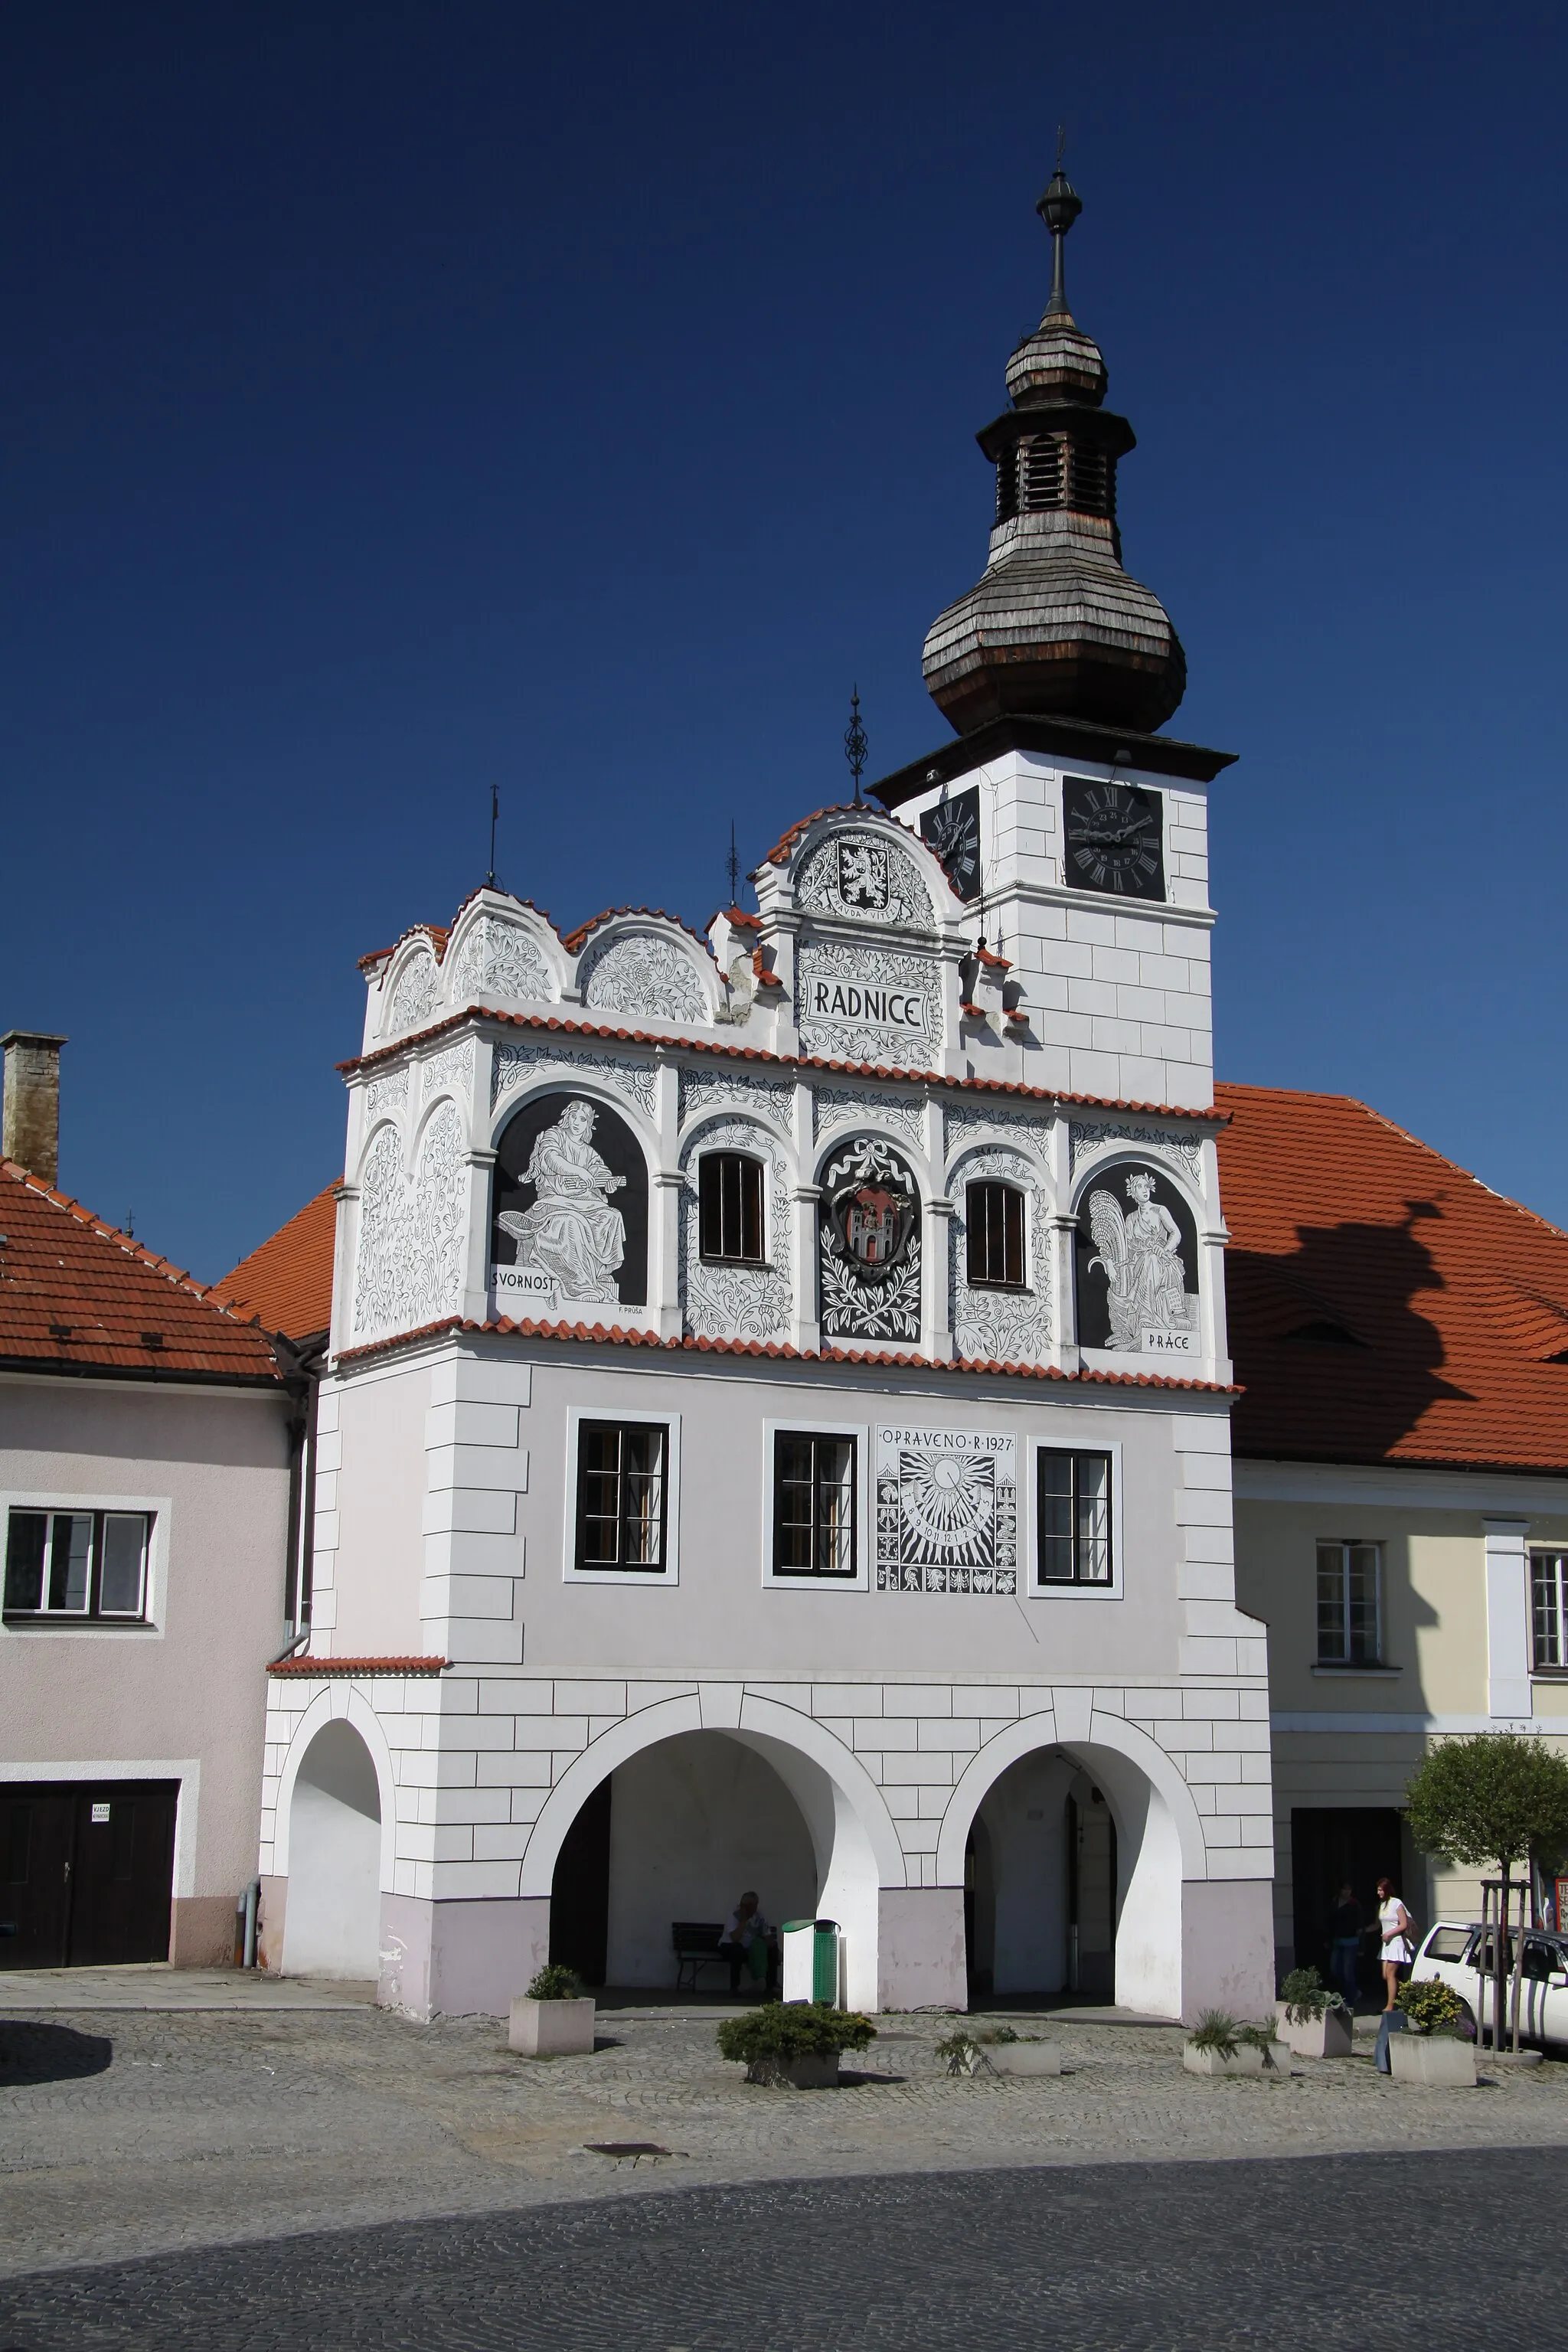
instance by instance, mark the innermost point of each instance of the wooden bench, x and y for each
(696, 1943)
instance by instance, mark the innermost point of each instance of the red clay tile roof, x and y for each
(78, 1295)
(1384, 1305)
(619, 1337)
(576, 940)
(287, 1284)
(317, 1669)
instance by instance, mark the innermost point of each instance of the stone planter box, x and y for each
(551, 2029)
(1247, 2060)
(812, 2072)
(1441, 2061)
(1327, 2036)
(1025, 2057)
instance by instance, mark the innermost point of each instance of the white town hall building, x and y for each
(774, 1431)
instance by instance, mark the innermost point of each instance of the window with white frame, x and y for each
(1549, 1607)
(1073, 1517)
(1350, 1604)
(73, 1566)
(730, 1208)
(993, 1221)
(622, 1485)
(815, 1483)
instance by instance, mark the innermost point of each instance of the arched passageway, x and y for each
(679, 1831)
(332, 1922)
(1072, 1870)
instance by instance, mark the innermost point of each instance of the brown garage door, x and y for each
(87, 1872)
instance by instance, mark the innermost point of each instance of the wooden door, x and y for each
(124, 1872)
(36, 1829)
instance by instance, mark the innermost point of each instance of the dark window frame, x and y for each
(625, 1515)
(46, 1611)
(732, 1205)
(989, 1238)
(1087, 1545)
(817, 1533)
(1348, 1657)
(1549, 1611)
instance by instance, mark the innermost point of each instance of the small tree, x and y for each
(1494, 1797)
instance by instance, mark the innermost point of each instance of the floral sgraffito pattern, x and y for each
(870, 1244)
(411, 1230)
(738, 1302)
(1001, 1327)
(499, 958)
(644, 974)
(414, 998)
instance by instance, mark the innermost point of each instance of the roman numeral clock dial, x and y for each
(1115, 839)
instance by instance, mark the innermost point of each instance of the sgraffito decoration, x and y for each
(499, 958)
(703, 1090)
(869, 1253)
(947, 1510)
(386, 1094)
(414, 998)
(514, 1065)
(995, 1326)
(570, 1215)
(454, 1067)
(862, 1004)
(831, 1106)
(1137, 1265)
(738, 1302)
(641, 974)
(1087, 1137)
(411, 1232)
(861, 876)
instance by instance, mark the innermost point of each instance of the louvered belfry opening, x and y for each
(1056, 627)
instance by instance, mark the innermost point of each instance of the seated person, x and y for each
(748, 1942)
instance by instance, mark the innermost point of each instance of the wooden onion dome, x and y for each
(1056, 627)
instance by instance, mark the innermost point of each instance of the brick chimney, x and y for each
(30, 1117)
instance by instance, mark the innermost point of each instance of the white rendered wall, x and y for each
(693, 1823)
(1118, 989)
(334, 1920)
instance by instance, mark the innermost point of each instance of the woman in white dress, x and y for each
(1396, 1925)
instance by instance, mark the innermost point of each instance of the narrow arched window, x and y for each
(994, 1215)
(729, 1208)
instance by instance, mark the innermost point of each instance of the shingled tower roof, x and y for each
(1056, 627)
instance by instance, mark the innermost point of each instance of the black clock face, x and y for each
(1114, 839)
(953, 829)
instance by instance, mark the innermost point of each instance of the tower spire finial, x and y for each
(855, 745)
(1059, 208)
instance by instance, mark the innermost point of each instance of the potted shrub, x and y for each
(1218, 2045)
(554, 2018)
(1312, 2020)
(798, 2043)
(1432, 2049)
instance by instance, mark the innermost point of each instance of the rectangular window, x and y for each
(729, 1208)
(1350, 1627)
(1549, 1592)
(813, 1505)
(621, 1496)
(994, 1215)
(1074, 1517)
(77, 1564)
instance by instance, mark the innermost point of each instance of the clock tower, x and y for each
(1074, 830)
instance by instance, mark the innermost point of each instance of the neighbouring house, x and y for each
(146, 1437)
(1401, 1475)
(773, 1429)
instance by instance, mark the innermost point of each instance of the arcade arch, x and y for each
(331, 1924)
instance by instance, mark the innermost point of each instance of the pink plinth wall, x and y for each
(1227, 1947)
(460, 1959)
(919, 1949)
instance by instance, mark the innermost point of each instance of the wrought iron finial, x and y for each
(495, 812)
(1059, 208)
(856, 745)
(733, 868)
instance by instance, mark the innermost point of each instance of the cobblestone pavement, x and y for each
(129, 2134)
(1439, 2251)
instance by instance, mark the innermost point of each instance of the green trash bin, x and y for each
(810, 1959)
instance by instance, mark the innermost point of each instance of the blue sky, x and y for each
(402, 396)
